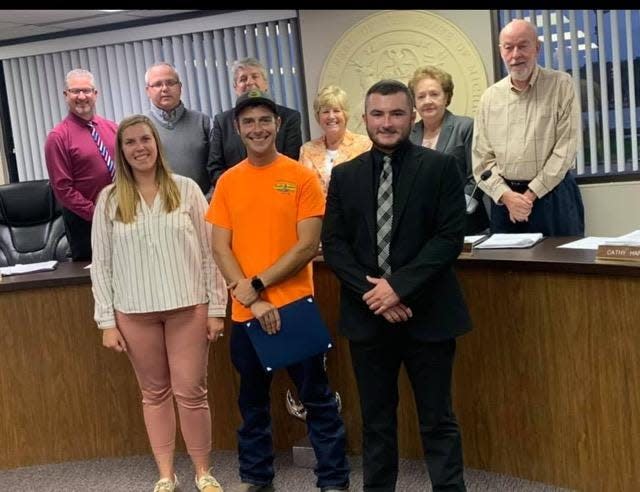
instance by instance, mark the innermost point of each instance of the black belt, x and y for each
(517, 183)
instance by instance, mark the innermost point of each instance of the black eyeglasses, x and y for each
(85, 90)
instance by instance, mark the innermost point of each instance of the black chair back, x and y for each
(31, 224)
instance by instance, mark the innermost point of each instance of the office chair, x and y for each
(31, 224)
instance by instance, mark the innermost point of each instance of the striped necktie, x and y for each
(384, 216)
(102, 148)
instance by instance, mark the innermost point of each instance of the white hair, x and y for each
(161, 64)
(247, 62)
(78, 72)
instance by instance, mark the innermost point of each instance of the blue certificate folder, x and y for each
(302, 334)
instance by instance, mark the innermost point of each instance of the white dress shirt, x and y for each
(158, 262)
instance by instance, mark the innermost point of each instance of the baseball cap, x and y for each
(254, 98)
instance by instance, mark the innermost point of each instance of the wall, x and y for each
(611, 209)
(321, 29)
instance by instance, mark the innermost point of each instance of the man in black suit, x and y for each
(226, 147)
(393, 228)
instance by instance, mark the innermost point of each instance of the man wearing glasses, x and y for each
(79, 153)
(185, 133)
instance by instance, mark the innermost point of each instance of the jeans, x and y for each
(326, 429)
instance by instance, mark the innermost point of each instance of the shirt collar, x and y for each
(81, 121)
(169, 118)
(396, 155)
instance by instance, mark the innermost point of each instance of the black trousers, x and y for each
(376, 364)
(559, 213)
(78, 234)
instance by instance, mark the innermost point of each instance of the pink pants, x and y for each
(169, 353)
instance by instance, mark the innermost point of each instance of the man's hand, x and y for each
(244, 293)
(381, 297)
(215, 328)
(268, 316)
(397, 313)
(113, 339)
(518, 204)
(530, 195)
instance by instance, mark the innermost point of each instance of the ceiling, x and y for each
(18, 26)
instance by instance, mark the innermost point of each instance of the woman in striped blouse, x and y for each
(158, 294)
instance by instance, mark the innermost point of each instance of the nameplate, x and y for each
(618, 252)
(471, 242)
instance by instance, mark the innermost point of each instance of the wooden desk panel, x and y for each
(545, 386)
(546, 383)
(64, 397)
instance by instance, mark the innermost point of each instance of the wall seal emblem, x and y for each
(392, 44)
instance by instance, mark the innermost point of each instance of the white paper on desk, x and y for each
(497, 241)
(591, 242)
(631, 239)
(29, 268)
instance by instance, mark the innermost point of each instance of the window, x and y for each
(601, 50)
(34, 82)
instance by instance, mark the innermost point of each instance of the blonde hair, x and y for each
(435, 73)
(125, 190)
(329, 96)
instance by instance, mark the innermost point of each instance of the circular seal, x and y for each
(391, 45)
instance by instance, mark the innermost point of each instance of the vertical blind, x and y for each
(35, 83)
(601, 51)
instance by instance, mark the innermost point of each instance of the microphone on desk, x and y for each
(472, 201)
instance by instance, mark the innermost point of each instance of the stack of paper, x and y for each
(511, 241)
(592, 242)
(631, 239)
(29, 268)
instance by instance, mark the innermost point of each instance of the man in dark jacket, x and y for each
(393, 228)
(226, 147)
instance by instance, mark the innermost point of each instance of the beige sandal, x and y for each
(166, 485)
(208, 480)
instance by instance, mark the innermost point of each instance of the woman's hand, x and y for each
(113, 339)
(215, 328)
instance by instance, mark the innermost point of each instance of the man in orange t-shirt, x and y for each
(267, 216)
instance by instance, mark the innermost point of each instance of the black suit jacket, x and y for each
(227, 148)
(427, 237)
(455, 138)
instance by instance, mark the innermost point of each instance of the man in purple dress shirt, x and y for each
(77, 169)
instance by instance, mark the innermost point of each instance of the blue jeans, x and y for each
(325, 426)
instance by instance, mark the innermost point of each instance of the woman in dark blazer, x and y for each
(441, 130)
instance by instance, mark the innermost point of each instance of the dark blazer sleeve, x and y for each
(337, 250)
(442, 248)
(464, 129)
(290, 135)
(216, 165)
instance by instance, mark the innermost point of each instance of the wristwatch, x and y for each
(257, 284)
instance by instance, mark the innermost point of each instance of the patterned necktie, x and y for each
(385, 215)
(102, 148)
